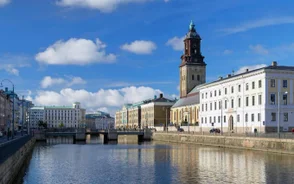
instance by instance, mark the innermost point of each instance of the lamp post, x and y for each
(279, 112)
(12, 136)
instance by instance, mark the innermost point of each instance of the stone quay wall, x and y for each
(285, 146)
(11, 167)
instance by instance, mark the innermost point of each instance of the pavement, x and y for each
(3, 139)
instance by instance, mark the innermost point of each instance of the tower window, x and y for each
(198, 77)
(192, 77)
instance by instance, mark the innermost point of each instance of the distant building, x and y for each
(99, 120)
(5, 111)
(151, 112)
(58, 116)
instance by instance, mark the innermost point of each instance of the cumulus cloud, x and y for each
(258, 49)
(105, 6)
(102, 98)
(48, 81)
(75, 52)
(139, 47)
(12, 63)
(4, 2)
(252, 67)
(176, 43)
(227, 52)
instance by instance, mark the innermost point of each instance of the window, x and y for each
(273, 99)
(205, 120)
(225, 104)
(205, 107)
(232, 103)
(252, 117)
(253, 85)
(202, 96)
(192, 77)
(238, 118)
(273, 116)
(239, 88)
(258, 117)
(219, 104)
(214, 119)
(214, 92)
(286, 117)
(206, 95)
(247, 86)
(225, 91)
(259, 84)
(273, 83)
(246, 117)
(202, 120)
(285, 99)
(285, 84)
(202, 107)
(253, 100)
(232, 89)
(198, 77)
(210, 94)
(219, 92)
(247, 101)
(225, 120)
(218, 119)
(210, 119)
(211, 106)
(259, 99)
(214, 105)
(239, 102)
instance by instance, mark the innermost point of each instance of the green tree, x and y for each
(61, 125)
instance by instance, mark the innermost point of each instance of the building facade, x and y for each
(257, 100)
(5, 111)
(59, 116)
(192, 73)
(99, 120)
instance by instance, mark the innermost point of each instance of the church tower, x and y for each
(192, 67)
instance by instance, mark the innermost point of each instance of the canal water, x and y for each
(153, 162)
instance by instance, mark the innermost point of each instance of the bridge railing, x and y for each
(7, 149)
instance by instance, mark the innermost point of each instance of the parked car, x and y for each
(180, 130)
(214, 130)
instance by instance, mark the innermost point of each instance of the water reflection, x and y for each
(154, 163)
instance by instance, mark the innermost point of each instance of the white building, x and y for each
(254, 100)
(58, 116)
(99, 120)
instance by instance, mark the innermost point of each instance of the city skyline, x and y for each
(108, 54)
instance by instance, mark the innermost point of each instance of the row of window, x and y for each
(232, 103)
(273, 83)
(284, 99)
(232, 89)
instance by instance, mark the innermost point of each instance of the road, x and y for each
(4, 138)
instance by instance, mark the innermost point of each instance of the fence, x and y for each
(7, 149)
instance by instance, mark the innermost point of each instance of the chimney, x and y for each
(220, 78)
(161, 95)
(247, 70)
(274, 63)
(229, 75)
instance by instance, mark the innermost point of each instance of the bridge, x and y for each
(108, 135)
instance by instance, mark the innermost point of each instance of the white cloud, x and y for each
(259, 49)
(109, 98)
(12, 63)
(258, 23)
(48, 81)
(227, 52)
(176, 43)
(125, 84)
(4, 2)
(252, 67)
(139, 47)
(76, 52)
(105, 6)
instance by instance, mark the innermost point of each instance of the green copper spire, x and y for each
(191, 25)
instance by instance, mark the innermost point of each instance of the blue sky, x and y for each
(108, 52)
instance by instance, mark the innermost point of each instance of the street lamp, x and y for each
(279, 111)
(12, 106)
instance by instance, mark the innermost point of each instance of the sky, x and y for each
(105, 53)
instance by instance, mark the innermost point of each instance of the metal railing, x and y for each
(8, 148)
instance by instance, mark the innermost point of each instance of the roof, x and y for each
(95, 116)
(37, 108)
(58, 107)
(190, 100)
(162, 100)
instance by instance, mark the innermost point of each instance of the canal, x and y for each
(153, 162)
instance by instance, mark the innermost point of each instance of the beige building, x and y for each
(156, 112)
(192, 73)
